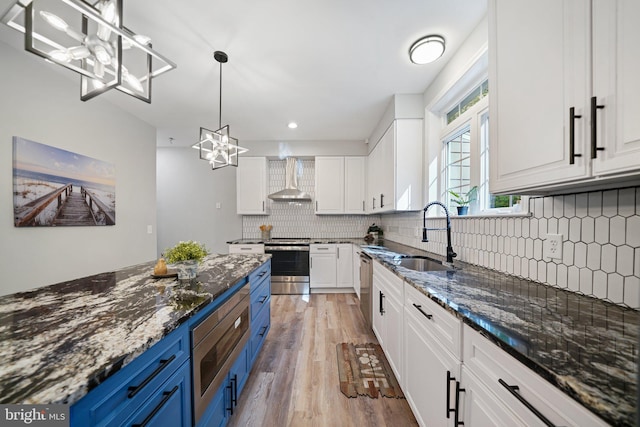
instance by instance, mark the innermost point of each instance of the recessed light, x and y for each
(292, 125)
(427, 49)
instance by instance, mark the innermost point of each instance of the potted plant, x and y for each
(463, 200)
(186, 256)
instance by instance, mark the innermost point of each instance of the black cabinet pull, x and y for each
(419, 307)
(133, 390)
(263, 331)
(363, 206)
(262, 274)
(263, 299)
(381, 200)
(263, 206)
(234, 383)
(230, 408)
(456, 408)
(373, 203)
(513, 389)
(572, 135)
(594, 127)
(166, 396)
(381, 303)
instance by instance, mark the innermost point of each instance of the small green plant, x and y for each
(185, 251)
(464, 199)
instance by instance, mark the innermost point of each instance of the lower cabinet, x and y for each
(344, 265)
(387, 316)
(432, 366)
(323, 267)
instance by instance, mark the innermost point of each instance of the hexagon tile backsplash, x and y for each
(600, 242)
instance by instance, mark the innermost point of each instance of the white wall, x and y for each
(187, 195)
(43, 105)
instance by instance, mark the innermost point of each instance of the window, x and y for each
(465, 154)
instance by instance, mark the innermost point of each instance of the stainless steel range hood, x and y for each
(291, 193)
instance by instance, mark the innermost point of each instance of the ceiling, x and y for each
(330, 65)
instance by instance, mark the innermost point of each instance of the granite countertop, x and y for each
(586, 347)
(60, 341)
(314, 240)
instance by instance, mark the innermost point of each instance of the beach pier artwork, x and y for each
(55, 187)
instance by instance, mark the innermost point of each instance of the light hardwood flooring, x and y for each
(294, 381)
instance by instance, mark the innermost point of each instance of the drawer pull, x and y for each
(419, 307)
(263, 299)
(263, 331)
(167, 395)
(133, 390)
(513, 389)
(262, 274)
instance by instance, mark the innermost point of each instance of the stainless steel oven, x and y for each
(216, 343)
(289, 265)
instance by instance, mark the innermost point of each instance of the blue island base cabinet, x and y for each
(156, 389)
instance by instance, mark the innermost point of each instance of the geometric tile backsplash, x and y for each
(299, 219)
(600, 233)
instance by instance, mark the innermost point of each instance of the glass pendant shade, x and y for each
(90, 40)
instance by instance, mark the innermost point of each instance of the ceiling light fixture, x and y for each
(292, 125)
(105, 53)
(217, 146)
(427, 49)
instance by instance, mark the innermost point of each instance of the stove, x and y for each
(289, 265)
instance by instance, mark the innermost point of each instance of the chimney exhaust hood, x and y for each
(291, 193)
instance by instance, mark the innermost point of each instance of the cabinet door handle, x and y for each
(381, 200)
(262, 274)
(363, 206)
(263, 206)
(456, 408)
(338, 249)
(572, 135)
(594, 127)
(133, 390)
(234, 383)
(263, 331)
(230, 408)
(166, 396)
(419, 307)
(316, 205)
(381, 303)
(373, 203)
(513, 389)
(264, 298)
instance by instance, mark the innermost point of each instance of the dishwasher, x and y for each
(366, 278)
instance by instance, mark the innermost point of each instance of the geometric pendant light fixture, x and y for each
(90, 39)
(218, 147)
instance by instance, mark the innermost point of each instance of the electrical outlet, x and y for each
(553, 246)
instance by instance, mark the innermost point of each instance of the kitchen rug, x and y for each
(364, 371)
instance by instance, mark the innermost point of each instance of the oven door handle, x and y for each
(286, 248)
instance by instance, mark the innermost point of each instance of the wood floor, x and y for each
(294, 381)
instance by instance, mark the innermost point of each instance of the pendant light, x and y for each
(90, 39)
(218, 147)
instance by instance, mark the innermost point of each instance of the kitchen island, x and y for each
(59, 342)
(586, 347)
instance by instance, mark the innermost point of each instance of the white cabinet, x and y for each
(329, 185)
(616, 37)
(257, 248)
(541, 93)
(354, 184)
(394, 171)
(323, 266)
(432, 340)
(340, 185)
(387, 290)
(251, 190)
(500, 373)
(344, 265)
(355, 258)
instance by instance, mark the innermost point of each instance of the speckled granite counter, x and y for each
(315, 240)
(586, 347)
(60, 341)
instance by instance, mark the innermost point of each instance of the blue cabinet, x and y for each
(260, 285)
(128, 389)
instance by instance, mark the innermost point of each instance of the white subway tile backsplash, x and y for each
(601, 242)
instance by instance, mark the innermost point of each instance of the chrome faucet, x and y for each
(450, 253)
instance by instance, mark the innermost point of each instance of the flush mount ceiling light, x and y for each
(217, 146)
(90, 39)
(292, 125)
(427, 49)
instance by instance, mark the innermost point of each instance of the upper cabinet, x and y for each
(251, 178)
(395, 169)
(340, 185)
(562, 98)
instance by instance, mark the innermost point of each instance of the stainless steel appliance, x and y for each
(216, 343)
(289, 265)
(366, 279)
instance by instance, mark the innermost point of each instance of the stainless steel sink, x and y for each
(420, 263)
